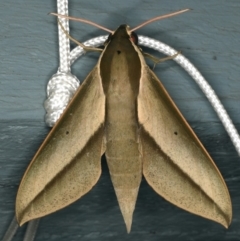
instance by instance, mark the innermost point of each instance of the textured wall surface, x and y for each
(209, 36)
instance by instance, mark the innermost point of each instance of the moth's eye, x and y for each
(108, 39)
(134, 38)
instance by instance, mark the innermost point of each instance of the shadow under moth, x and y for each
(123, 111)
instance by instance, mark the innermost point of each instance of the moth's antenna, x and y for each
(160, 17)
(83, 21)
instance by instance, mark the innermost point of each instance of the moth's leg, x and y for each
(160, 60)
(31, 230)
(86, 48)
(12, 229)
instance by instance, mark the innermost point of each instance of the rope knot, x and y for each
(60, 90)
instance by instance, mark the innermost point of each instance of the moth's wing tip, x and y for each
(227, 220)
(21, 220)
(23, 216)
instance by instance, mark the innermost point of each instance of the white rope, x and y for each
(64, 42)
(63, 85)
(60, 89)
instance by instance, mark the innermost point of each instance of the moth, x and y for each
(123, 111)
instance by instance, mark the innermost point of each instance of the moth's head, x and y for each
(123, 31)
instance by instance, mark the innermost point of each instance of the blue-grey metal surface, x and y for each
(209, 36)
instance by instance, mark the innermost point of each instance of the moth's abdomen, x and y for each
(125, 166)
(122, 150)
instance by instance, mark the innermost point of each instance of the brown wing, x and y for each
(175, 164)
(67, 165)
